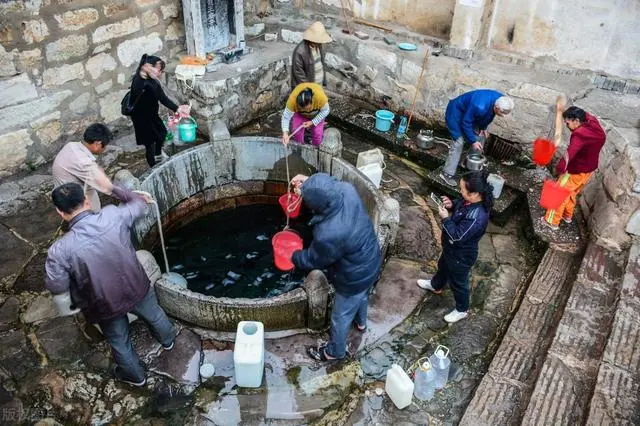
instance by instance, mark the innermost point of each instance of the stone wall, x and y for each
(64, 65)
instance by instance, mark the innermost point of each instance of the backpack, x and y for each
(126, 107)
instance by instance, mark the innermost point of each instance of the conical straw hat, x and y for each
(317, 34)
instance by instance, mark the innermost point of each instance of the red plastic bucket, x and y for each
(543, 150)
(284, 244)
(553, 195)
(292, 207)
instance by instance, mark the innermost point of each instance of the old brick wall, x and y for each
(65, 64)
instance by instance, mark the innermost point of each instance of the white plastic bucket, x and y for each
(498, 183)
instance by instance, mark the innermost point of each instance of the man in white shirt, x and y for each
(76, 163)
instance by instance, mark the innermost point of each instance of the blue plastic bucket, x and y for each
(188, 130)
(384, 119)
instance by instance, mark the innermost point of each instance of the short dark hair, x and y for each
(304, 98)
(97, 132)
(575, 113)
(68, 197)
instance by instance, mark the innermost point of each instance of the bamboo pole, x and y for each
(415, 96)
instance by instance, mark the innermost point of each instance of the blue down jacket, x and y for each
(462, 231)
(469, 112)
(344, 241)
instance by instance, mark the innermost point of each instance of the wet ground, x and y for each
(58, 368)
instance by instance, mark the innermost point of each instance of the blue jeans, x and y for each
(454, 271)
(346, 308)
(116, 331)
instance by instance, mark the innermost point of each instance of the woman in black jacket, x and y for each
(146, 92)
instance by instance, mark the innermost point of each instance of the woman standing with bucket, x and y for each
(462, 230)
(307, 108)
(146, 92)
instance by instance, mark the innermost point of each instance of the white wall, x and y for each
(601, 35)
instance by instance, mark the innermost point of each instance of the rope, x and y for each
(164, 251)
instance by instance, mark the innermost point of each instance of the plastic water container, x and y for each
(63, 304)
(248, 354)
(425, 382)
(373, 156)
(441, 364)
(373, 172)
(399, 386)
(498, 183)
(402, 127)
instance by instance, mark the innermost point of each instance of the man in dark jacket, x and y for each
(467, 118)
(345, 243)
(307, 63)
(96, 262)
(579, 162)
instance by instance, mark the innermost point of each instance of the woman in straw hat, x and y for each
(308, 57)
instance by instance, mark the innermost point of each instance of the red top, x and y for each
(584, 148)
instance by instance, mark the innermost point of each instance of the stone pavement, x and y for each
(58, 368)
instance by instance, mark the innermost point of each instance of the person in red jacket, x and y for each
(579, 162)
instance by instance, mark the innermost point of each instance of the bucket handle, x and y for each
(193, 120)
(443, 347)
(292, 206)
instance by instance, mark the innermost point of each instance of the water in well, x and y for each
(229, 253)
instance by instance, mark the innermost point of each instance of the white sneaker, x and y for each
(426, 285)
(455, 316)
(162, 157)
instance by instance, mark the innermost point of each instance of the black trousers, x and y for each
(151, 150)
(455, 270)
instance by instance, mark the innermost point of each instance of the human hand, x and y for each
(307, 124)
(446, 201)
(298, 180)
(477, 146)
(484, 133)
(443, 212)
(285, 138)
(145, 196)
(184, 110)
(151, 71)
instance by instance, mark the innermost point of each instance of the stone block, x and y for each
(362, 35)
(74, 20)
(615, 398)
(535, 93)
(377, 58)
(40, 309)
(115, 7)
(608, 226)
(169, 11)
(270, 36)
(80, 104)
(218, 131)
(9, 313)
(16, 90)
(7, 67)
(126, 179)
(317, 288)
(62, 74)
(27, 60)
(50, 132)
(150, 19)
(116, 30)
(62, 339)
(16, 355)
(288, 36)
(103, 87)
(130, 51)
(13, 151)
(175, 31)
(34, 31)
(339, 64)
(633, 226)
(110, 106)
(96, 65)
(620, 109)
(390, 217)
(254, 30)
(149, 264)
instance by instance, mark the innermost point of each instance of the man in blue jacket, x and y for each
(467, 118)
(344, 243)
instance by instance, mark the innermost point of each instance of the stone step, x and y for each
(566, 382)
(616, 398)
(503, 207)
(506, 387)
(568, 237)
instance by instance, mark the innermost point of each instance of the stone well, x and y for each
(241, 171)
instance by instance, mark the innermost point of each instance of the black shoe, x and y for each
(169, 346)
(128, 381)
